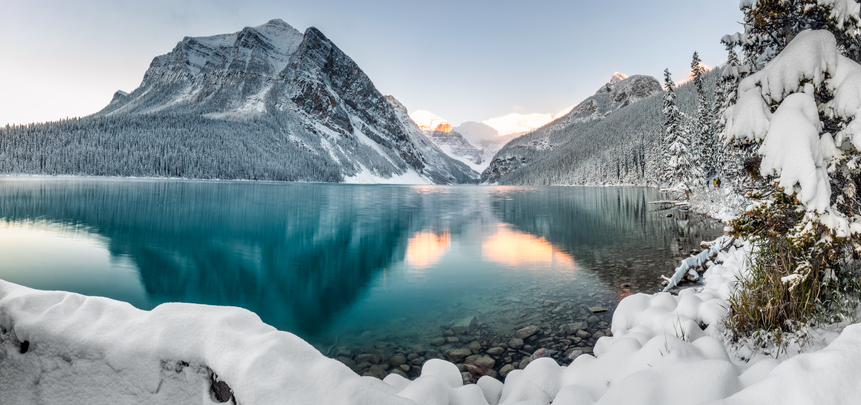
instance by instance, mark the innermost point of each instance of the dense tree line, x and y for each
(165, 145)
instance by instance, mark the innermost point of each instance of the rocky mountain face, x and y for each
(620, 92)
(450, 141)
(305, 102)
(484, 136)
(455, 145)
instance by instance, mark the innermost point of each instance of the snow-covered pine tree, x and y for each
(676, 153)
(801, 109)
(701, 137)
(672, 126)
(770, 25)
(729, 157)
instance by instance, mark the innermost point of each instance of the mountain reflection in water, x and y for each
(318, 259)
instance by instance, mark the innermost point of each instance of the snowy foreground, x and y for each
(58, 347)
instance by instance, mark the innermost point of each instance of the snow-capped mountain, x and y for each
(267, 102)
(620, 92)
(451, 142)
(428, 121)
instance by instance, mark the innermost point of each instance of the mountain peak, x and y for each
(275, 23)
(428, 121)
(614, 80)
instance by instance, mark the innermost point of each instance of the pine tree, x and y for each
(728, 162)
(702, 145)
(800, 230)
(676, 152)
(770, 25)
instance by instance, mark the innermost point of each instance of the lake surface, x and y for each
(347, 265)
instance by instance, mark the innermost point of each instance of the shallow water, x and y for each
(345, 264)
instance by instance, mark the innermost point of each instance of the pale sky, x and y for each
(463, 60)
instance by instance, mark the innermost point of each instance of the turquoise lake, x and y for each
(346, 264)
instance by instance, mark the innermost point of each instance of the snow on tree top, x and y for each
(807, 58)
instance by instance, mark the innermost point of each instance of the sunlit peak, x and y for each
(428, 121)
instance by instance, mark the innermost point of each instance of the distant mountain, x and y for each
(428, 121)
(450, 141)
(267, 102)
(484, 136)
(610, 138)
(620, 92)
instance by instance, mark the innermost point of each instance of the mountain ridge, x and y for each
(313, 109)
(619, 92)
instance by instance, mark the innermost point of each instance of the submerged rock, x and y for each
(526, 332)
(572, 354)
(597, 308)
(370, 358)
(487, 361)
(542, 352)
(457, 355)
(397, 360)
(376, 371)
(495, 351)
(572, 328)
(505, 370)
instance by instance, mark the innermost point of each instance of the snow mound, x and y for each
(98, 351)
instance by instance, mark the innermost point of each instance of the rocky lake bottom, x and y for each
(557, 317)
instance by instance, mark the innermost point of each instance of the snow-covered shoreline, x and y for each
(665, 349)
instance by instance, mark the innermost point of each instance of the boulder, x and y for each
(457, 355)
(370, 358)
(526, 332)
(495, 351)
(397, 360)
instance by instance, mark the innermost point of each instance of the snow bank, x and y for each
(665, 349)
(92, 350)
(828, 376)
